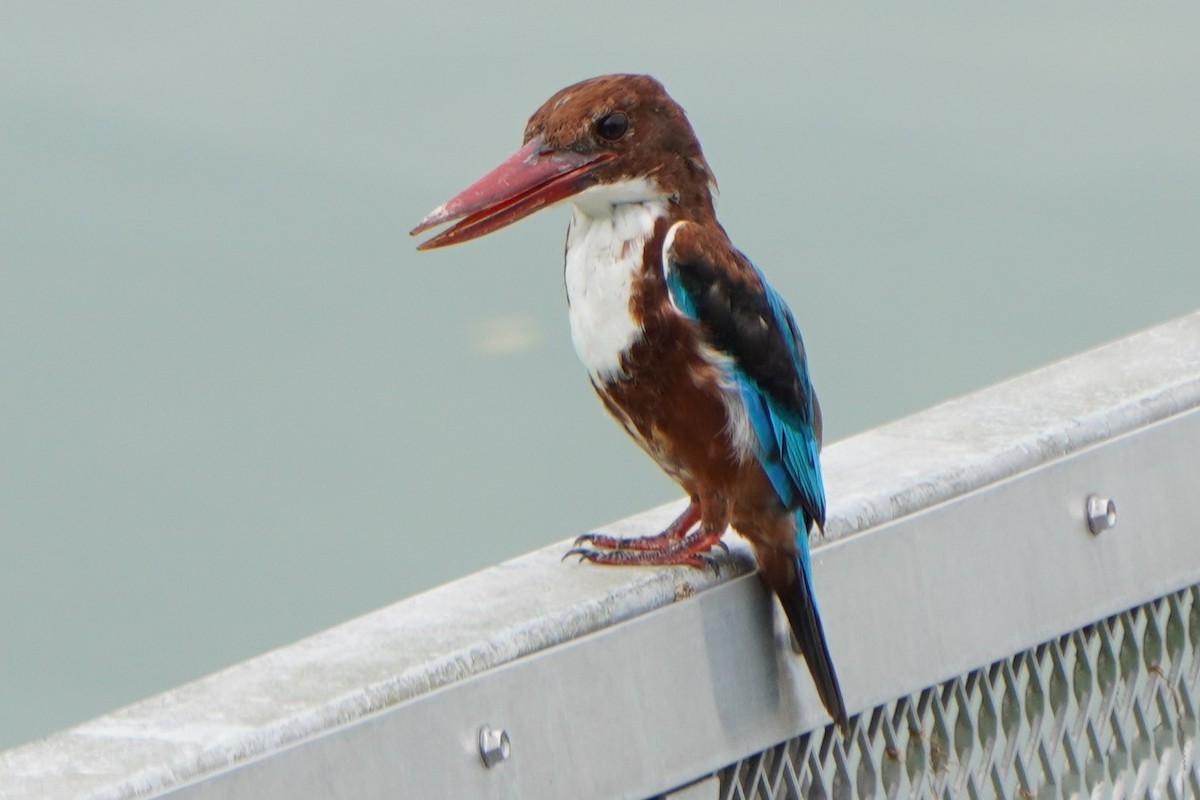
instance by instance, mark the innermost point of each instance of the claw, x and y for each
(601, 541)
(582, 552)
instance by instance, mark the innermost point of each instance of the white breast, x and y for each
(604, 254)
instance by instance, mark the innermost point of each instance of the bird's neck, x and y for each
(610, 249)
(614, 264)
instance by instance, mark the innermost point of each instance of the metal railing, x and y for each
(992, 644)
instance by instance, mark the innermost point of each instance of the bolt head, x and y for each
(1101, 513)
(494, 745)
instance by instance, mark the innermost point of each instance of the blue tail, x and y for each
(801, 608)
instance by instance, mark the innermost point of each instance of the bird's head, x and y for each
(607, 140)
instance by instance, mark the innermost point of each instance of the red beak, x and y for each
(531, 179)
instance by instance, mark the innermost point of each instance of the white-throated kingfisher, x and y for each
(685, 342)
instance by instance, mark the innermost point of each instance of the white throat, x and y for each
(609, 229)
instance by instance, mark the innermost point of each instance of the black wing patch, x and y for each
(739, 319)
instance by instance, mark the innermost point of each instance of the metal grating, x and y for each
(1109, 710)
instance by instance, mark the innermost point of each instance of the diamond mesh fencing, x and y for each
(1109, 710)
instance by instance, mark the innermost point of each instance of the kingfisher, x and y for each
(685, 343)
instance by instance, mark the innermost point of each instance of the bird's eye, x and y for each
(612, 126)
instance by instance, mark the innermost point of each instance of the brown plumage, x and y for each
(684, 342)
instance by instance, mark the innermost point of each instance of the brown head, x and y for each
(622, 132)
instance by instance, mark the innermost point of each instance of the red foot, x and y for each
(692, 551)
(673, 533)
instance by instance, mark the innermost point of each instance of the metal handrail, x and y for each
(958, 543)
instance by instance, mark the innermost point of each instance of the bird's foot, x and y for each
(672, 534)
(693, 550)
(641, 544)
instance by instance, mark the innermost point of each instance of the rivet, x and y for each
(1101, 513)
(494, 746)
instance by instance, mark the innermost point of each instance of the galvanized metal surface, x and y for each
(659, 700)
(627, 683)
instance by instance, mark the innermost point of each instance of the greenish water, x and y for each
(236, 406)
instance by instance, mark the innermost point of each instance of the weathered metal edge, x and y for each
(653, 702)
